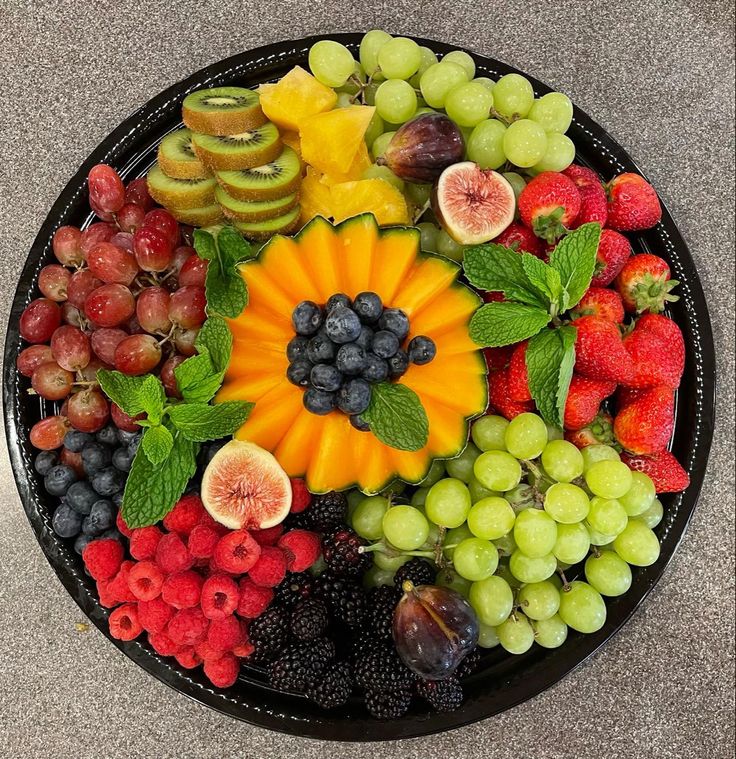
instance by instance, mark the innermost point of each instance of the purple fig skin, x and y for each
(434, 628)
(422, 148)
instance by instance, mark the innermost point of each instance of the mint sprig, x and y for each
(396, 417)
(550, 357)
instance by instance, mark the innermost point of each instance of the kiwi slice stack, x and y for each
(177, 158)
(221, 111)
(238, 151)
(180, 194)
(272, 180)
(199, 217)
(263, 230)
(254, 210)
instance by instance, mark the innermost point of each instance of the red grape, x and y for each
(112, 264)
(71, 315)
(100, 231)
(193, 272)
(89, 373)
(104, 341)
(109, 305)
(64, 407)
(122, 421)
(130, 217)
(52, 382)
(88, 410)
(137, 192)
(49, 433)
(162, 220)
(167, 376)
(153, 249)
(32, 357)
(53, 281)
(66, 243)
(99, 213)
(152, 310)
(137, 354)
(39, 320)
(133, 326)
(184, 341)
(181, 254)
(82, 283)
(71, 348)
(123, 240)
(187, 307)
(106, 189)
(74, 460)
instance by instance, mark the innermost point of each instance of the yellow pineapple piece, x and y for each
(315, 197)
(360, 163)
(292, 140)
(374, 196)
(294, 98)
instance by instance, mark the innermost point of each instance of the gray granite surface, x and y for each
(659, 77)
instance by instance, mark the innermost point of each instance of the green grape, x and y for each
(331, 63)
(513, 96)
(653, 515)
(608, 573)
(491, 518)
(485, 145)
(526, 436)
(609, 479)
(375, 576)
(449, 578)
(489, 433)
(343, 100)
(526, 569)
(582, 608)
(505, 545)
(389, 559)
(573, 543)
(597, 452)
(607, 516)
(521, 497)
(419, 194)
(497, 470)
(419, 498)
(352, 87)
(517, 182)
(381, 143)
(428, 59)
(637, 544)
(562, 461)
(598, 538)
(370, 46)
(438, 80)
(454, 537)
(475, 559)
(383, 172)
(369, 93)
(461, 467)
(487, 637)
(559, 155)
(492, 599)
(550, 633)
(553, 112)
(395, 488)
(461, 58)
(318, 567)
(516, 634)
(556, 580)
(505, 573)
(448, 502)
(432, 538)
(539, 600)
(554, 433)
(396, 101)
(524, 142)
(435, 474)
(354, 498)
(446, 246)
(399, 58)
(428, 236)
(405, 527)
(535, 533)
(368, 517)
(478, 492)
(640, 495)
(468, 104)
(375, 129)
(485, 81)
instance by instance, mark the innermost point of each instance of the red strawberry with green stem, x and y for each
(498, 396)
(593, 201)
(599, 350)
(598, 432)
(520, 238)
(644, 284)
(632, 203)
(657, 348)
(517, 374)
(600, 301)
(584, 400)
(613, 251)
(645, 425)
(549, 204)
(664, 469)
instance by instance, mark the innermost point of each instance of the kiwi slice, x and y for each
(180, 193)
(263, 230)
(198, 217)
(254, 210)
(239, 151)
(177, 158)
(275, 179)
(222, 110)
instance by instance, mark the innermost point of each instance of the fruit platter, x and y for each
(359, 387)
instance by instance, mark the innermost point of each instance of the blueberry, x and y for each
(422, 350)
(396, 321)
(112, 535)
(385, 343)
(66, 522)
(298, 372)
(342, 325)
(398, 364)
(325, 377)
(368, 306)
(95, 456)
(44, 461)
(75, 440)
(122, 459)
(321, 349)
(354, 396)
(297, 348)
(58, 479)
(338, 299)
(350, 359)
(375, 369)
(100, 518)
(307, 318)
(359, 423)
(126, 437)
(82, 542)
(365, 338)
(81, 496)
(135, 441)
(108, 481)
(108, 436)
(117, 498)
(318, 401)
(211, 450)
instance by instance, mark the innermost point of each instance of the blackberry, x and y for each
(382, 670)
(269, 633)
(381, 604)
(442, 695)
(334, 687)
(345, 599)
(293, 588)
(388, 704)
(417, 571)
(327, 511)
(364, 644)
(299, 666)
(341, 552)
(309, 619)
(469, 664)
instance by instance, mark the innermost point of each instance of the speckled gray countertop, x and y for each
(659, 77)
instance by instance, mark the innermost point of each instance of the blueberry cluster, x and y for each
(345, 346)
(90, 491)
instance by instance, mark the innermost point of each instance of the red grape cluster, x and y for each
(127, 293)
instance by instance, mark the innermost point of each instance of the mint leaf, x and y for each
(233, 247)
(568, 335)
(200, 376)
(205, 245)
(397, 417)
(123, 390)
(152, 397)
(497, 324)
(550, 357)
(225, 290)
(200, 422)
(157, 443)
(152, 489)
(574, 259)
(215, 337)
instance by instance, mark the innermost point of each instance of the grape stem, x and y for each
(420, 212)
(439, 558)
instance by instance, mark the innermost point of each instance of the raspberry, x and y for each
(107, 597)
(269, 536)
(202, 541)
(188, 657)
(254, 599)
(185, 515)
(302, 547)
(270, 568)
(172, 554)
(224, 634)
(245, 648)
(182, 589)
(145, 580)
(187, 626)
(143, 542)
(124, 622)
(205, 651)
(154, 615)
(103, 558)
(162, 644)
(219, 597)
(222, 672)
(236, 552)
(119, 585)
(300, 496)
(123, 528)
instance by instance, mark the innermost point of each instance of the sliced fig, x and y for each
(423, 147)
(473, 205)
(244, 487)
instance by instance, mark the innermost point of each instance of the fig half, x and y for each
(473, 205)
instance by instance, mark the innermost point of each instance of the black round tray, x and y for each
(503, 680)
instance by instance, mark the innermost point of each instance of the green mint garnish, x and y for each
(396, 417)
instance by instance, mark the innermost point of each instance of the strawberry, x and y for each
(664, 469)
(498, 395)
(658, 349)
(600, 430)
(625, 395)
(613, 251)
(632, 203)
(600, 301)
(518, 378)
(644, 284)
(498, 358)
(593, 201)
(549, 204)
(493, 296)
(599, 350)
(520, 238)
(645, 424)
(584, 400)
